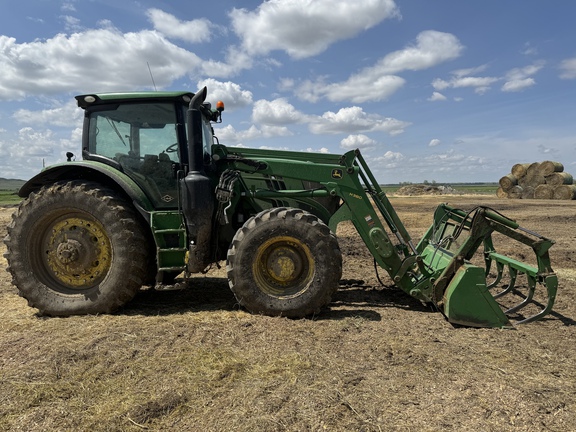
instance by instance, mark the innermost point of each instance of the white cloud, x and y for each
(516, 79)
(378, 82)
(480, 84)
(358, 88)
(286, 84)
(303, 28)
(436, 96)
(104, 59)
(434, 142)
(519, 79)
(390, 159)
(68, 6)
(469, 71)
(71, 23)
(360, 141)
(568, 68)
(67, 115)
(236, 60)
(355, 120)
(276, 113)
(195, 31)
(228, 135)
(431, 48)
(230, 93)
(518, 84)
(322, 150)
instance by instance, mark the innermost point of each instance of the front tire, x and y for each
(76, 248)
(284, 262)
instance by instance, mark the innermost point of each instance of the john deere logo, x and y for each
(336, 173)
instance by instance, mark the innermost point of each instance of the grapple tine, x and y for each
(527, 298)
(512, 272)
(551, 284)
(499, 271)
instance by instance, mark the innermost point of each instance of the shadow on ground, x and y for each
(213, 294)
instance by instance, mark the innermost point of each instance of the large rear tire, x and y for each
(284, 262)
(76, 248)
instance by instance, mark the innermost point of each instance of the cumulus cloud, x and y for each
(67, 115)
(358, 88)
(276, 113)
(479, 84)
(388, 160)
(359, 141)
(303, 28)
(195, 31)
(437, 96)
(519, 79)
(568, 68)
(24, 151)
(230, 136)
(431, 48)
(230, 93)
(105, 59)
(272, 118)
(434, 142)
(355, 120)
(378, 82)
(516, 79)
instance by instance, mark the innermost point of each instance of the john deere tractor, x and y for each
(156, 196)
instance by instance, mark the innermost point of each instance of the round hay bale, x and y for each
(501, 193)
(520, 170)
(544, 191)
(533, 169)
(534, 180)
(508, 182)
(547, 168)
(559, 178)
(515, 192)
(565, 192)
(528, 192)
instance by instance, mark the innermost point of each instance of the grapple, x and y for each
(455, 266)
(473, 284)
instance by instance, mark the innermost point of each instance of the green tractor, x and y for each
(156, 195)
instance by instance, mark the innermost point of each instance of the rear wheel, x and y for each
(284, 262)
(76, 248)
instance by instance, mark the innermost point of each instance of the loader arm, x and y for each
(435, 271)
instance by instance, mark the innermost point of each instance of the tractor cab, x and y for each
(143, 135)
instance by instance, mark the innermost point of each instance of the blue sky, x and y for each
(442, 90)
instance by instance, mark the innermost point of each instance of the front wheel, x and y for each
(285, 262)
(76, 248)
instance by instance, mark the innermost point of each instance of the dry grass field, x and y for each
(377, 360)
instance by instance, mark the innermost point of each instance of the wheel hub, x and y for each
(77, 252)
(283, 266)
(69, 251)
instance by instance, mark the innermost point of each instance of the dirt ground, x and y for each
(377, 360)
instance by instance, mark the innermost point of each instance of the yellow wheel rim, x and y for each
(283, 267)
(77, 252)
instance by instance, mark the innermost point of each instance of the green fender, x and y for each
(92, 171)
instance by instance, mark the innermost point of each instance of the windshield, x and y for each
(135, 130)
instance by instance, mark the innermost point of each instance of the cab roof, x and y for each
(91, 99)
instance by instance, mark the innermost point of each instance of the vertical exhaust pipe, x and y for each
(197, 192)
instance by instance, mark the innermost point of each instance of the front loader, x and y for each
(156, 196)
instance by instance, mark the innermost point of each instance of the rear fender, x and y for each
(92, 171)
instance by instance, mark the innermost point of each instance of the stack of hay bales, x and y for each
(545, 180)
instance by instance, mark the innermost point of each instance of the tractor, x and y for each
(156, 195)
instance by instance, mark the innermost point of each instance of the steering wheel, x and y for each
(172, 148)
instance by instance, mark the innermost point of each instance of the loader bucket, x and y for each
(473, 287)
